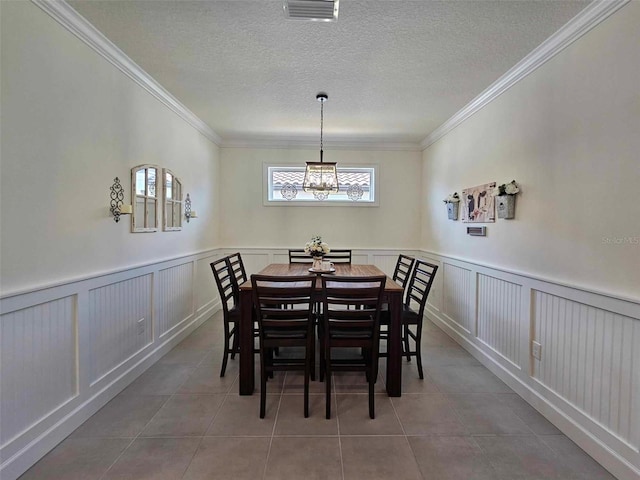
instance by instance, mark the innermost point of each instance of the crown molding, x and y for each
(284, 142)
(64, 14)
(587, 19)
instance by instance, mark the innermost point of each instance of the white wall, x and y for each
(248, 223)
(568, 134)
(71, 122)
(565, 272)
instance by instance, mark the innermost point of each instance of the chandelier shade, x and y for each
(321, 178)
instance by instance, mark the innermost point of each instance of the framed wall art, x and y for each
(478, 205)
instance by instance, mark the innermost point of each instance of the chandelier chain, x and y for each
(321, 123)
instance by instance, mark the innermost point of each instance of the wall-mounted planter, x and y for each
(506, 205)
(452, 210)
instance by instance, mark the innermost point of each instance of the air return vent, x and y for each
(477, 231)
(315, 10)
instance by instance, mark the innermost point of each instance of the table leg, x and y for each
(246, 380)
(394, 346)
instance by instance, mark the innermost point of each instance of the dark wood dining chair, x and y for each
(225, 282)
(413, 310)
(298, 255)
(351, 319)
(284, 327)
(338, 256)
(401, 275)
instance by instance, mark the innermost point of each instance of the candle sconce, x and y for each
(117, 198)
(188, 213)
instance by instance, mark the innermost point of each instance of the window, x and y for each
(284, 187)
(144, 180)
(172, 202)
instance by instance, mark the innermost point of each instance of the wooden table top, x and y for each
(346, 270)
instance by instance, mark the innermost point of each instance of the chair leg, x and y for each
(236, 342)
(263, 384)
(226, 349)
(405, 341)
(419, 355)
(327, 380)
(307, 372)
(372, 413)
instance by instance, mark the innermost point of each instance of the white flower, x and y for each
(453, 198)
(316, 246)
(510, 188)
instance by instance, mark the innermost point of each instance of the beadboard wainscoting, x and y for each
(587, 377)
(66, 350)
(70, 348)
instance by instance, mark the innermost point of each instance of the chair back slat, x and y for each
(420, 286)
(338, 256)
(298, 255)
(352, 304)
(402, 272)
(271, 294)
(225, 283)
(236, 267)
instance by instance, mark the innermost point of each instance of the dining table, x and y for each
(392, 296)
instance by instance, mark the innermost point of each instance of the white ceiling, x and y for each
(394, 70)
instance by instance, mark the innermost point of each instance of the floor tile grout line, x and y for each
(273, 429)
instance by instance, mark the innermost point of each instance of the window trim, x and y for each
(266, 187)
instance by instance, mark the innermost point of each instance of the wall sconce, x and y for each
(188, 213)
(117, 198)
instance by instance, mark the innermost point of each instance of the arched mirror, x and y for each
(172, 201)
(144, 182)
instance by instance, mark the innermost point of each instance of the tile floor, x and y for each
(179, 420)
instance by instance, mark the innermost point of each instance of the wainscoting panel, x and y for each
(587, 380)
(38, 364)
(590, 357)
(175, 290)
(205, 286)
(120, 323)
(67, 349)
(457, 295)
(499, 321)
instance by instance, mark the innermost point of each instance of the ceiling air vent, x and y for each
(315, 10)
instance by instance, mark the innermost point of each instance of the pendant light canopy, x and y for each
(321, 177)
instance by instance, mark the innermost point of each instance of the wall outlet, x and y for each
(141, 326)
(536, 350)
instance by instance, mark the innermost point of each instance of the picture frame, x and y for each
(478, 205)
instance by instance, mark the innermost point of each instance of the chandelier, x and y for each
(321, 178)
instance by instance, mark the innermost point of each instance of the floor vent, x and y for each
(314, 10)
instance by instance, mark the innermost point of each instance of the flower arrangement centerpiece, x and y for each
(317, 249)
(453, 204)
(505, 195)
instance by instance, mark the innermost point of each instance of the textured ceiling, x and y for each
(394, 70)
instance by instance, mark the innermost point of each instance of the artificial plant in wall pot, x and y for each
(506, 199)
(453, 204)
